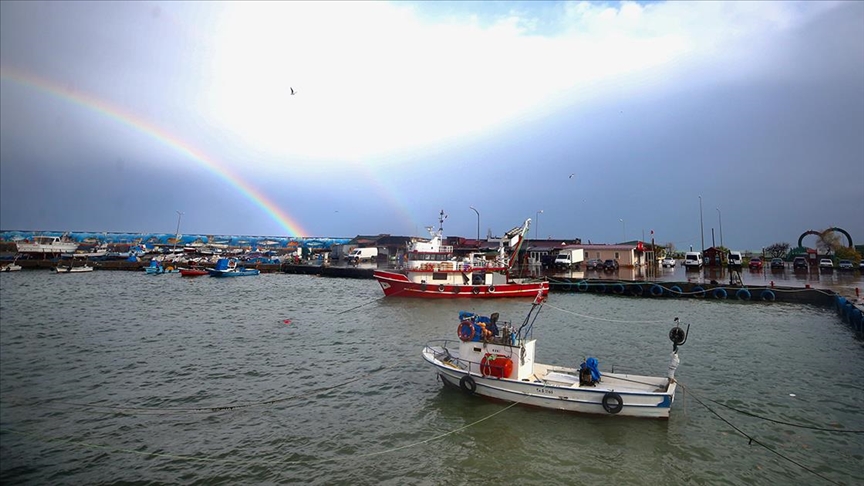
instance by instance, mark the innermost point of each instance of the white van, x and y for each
(693, 259)
(568, 259)
(363, 254)
(735, 259)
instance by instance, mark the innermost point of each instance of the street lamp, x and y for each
(720, 218)
(478, 221)
(701, 228)
(537, 226)
(623, 231)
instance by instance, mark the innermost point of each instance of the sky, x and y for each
(739, 123)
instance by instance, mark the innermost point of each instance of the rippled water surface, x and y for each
(113, 377)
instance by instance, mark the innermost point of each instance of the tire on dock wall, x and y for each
(698, 292)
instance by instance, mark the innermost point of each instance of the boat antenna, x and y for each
(528, 324)
(441, 218)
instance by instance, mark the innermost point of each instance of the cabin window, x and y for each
(439, 276)
(616, 255)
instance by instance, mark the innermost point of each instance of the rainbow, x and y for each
(29, 80)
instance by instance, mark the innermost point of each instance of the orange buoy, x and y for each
(496, 366)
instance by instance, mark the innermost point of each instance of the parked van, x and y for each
(736, 260)
(363, 254)
(568, 259)
(693, 259)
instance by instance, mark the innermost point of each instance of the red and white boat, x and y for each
(433, 271)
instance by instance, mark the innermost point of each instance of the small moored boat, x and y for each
(228, 267)
(502, 367)
(192, 272)
(73, 269)
(156, 268)
(10, 267)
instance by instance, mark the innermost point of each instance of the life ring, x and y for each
(456, 289)
(636, 290)
(582, 286)
(475, 290)
(656, 290)
(612, 403)
(698, 292)
(743, 294)
(491, 288)
(675, 291)
(441, 288)
(465, 331)
(468, 385)
(719, 293)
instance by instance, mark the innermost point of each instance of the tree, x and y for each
(829, 242)
(777, 250)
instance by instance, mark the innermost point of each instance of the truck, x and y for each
(569, 258)
(358, 255)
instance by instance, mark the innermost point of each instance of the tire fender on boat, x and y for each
(768, 296)
(618, 288)
(468, 385)
(636, 290)
(491, 288)
(743, 294)
(612, 403)
(583, 286)
(719, 293)
(656, 290)
(475, 290)
(676, 291)
(455, 289)
(698, 292)
(441, 288)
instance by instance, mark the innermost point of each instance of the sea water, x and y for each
(119, 377)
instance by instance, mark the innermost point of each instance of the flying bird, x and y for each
(292, 91)
(571, 175)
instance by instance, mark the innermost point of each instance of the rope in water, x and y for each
(753, 439)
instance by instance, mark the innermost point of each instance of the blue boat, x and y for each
(227, 267)
(156, 268)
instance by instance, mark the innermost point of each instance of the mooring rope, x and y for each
(603, 318)
(755, 440)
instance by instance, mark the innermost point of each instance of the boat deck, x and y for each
(569, 377)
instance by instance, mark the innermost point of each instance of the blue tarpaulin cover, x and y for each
(591, 364)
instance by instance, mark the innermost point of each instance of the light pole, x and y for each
(177, 233)
(537, 226)
(701, 228)
(623, 231)
(720, 218)
(478, 221)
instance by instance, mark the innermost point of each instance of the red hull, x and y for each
(192, 273)
(397, 284)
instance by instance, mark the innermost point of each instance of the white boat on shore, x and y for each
(47, 245)
(502, 367)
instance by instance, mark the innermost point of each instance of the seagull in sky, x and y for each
(571, 175)
(292, 91)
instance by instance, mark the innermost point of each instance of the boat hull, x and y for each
(569, 397)
(397, 284)
(82, 269)
(233, 273)
(192, 272)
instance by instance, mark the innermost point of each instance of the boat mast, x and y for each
(176, 234)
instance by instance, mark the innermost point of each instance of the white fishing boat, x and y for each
(73, 268)
(10, 267)
(502, 367)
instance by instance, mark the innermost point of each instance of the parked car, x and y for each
(826, 263)
(668, 262)
(845, 265)
(799, 262)
(755, 263)
(594, 264)
(777, 263)
(610, 265)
